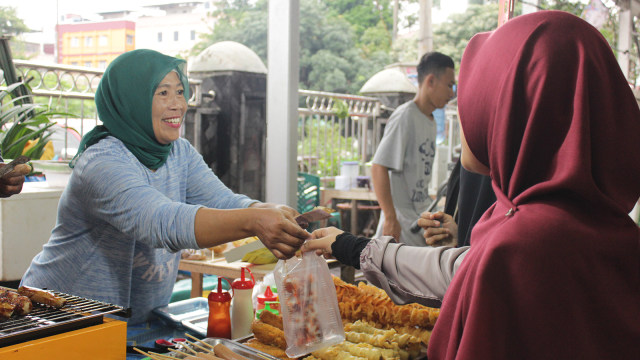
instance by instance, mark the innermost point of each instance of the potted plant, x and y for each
(22, 121)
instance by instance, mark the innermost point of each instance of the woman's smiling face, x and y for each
(168, 108)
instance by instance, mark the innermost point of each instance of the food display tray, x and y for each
(179, 311)
(197, 324)
(234, 345)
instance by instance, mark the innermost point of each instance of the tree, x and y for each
(331, 56)
(452, 36)
(11, 25)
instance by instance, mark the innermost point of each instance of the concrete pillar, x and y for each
(282, 101)
(624, 39)
(425, 37)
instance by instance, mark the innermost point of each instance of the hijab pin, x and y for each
(510, 212)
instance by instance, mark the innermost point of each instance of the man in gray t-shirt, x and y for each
(402, 163)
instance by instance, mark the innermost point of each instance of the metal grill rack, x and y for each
(45, 320)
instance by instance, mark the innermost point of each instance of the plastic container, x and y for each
(242, 309)
(350, 169)
(268, 296)
(219, 322)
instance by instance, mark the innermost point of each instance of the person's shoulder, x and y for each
(108, 150)
(403, 112)
(403, 108)
(183, 148)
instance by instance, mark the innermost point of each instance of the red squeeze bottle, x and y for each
(219, 324)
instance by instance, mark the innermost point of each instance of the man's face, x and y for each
(441, 88)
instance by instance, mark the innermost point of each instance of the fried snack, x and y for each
(423, 334)
(369, 303)
(271, 350)
(367, 351)
(272, 319)
(333, 353)
(404, 340)
(268, 334)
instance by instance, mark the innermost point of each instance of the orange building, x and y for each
(94, 44)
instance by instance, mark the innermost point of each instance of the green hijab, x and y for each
(124, 98)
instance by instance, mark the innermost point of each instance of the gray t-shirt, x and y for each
(408, 149)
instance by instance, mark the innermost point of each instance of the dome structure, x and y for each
(389, 80)
(227, 56)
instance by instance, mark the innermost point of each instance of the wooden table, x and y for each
(352, 195)
(220, 267)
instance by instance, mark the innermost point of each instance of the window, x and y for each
(207, 5)
(75, 42)
(88, 41)
(159, 37)
(103, 40)
(87, 63)
(74, 63)
(102, 64)
(175, 36)
(193, 34)
(129, 39)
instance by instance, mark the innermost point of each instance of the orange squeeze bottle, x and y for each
(219, 324)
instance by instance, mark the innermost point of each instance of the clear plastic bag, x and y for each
(309, 304)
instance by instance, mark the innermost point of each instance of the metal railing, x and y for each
(336, 127)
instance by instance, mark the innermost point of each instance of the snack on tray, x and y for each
(404, 340)
(367, 302)
(272, 319)
(268, 334)
(333, 353)
(360, 344)
(271, 350)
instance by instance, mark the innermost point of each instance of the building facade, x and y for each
(173, 28)
(96, 43)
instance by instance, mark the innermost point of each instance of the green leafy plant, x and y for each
(331, 149)
(21, 121)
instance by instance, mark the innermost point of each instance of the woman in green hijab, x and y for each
(139, 193)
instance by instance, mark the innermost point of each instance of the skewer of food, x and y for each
(42, 296)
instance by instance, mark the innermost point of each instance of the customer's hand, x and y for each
(439, 228)
(321, 241)
(12, 183)
(392, 228)
(279, 232)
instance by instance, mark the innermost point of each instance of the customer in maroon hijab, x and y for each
(553, 271)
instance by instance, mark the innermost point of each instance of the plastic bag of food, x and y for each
(308, 304)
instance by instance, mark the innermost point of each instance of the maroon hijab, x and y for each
(554, 266)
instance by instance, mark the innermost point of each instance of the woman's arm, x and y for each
(409, 273)
(406, 273)
(116, 190)
(276, 228)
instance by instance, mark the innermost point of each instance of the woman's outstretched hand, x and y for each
(321, 241)
(278, 230)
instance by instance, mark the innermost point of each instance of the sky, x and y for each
(41, 14)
